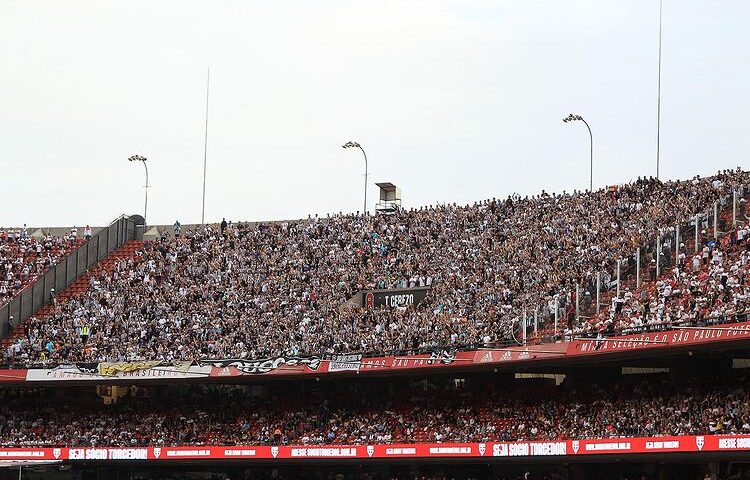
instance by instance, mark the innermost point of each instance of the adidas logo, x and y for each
(486, 358)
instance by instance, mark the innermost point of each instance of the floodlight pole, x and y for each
(573, 118)
(357, 145)
(139, 158)
(364, 209)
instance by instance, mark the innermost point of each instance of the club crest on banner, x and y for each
(274, 451)
(157, 452)
(482, 449)
(370, 450)
(56, 452)
(576, 445)
(699, 441)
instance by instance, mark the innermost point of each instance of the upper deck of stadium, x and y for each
(266, 290)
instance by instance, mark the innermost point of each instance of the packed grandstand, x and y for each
(264, 290)
(480, 409)
(166, 349)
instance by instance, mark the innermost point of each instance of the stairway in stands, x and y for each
(81, 285)
(628, 281)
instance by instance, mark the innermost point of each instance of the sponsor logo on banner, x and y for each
(370, 450)
(252, 367)
(345, 363)
(111, 369)
(56, 452)
(157, 452)
(75, 372)
(487, 357)
(482, 449)
(274, 451)
(699, 440)
(576, 445)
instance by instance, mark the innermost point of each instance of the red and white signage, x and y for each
(647, 343)
(553, 448)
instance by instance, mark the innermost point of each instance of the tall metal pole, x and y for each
(573, 118)
(734, 208)
(524, 327)
(205, 149)
(591, 156)
(578, 297)
(677, 244)
(145, 206)
(364, 209)
(658, 99)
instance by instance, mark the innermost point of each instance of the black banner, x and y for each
(264, 365)
(394, 298)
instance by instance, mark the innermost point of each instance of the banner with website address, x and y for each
(560, 448)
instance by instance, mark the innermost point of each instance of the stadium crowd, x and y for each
(23, 257)
(258, 291)
(352, 413)
(711, 284)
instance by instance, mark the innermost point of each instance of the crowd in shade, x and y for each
(263, 290)
(360, 413)
(24, 258)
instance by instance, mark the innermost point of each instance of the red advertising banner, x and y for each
(658, 340)
(355, 363)
(557, 448)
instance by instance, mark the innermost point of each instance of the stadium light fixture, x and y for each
(140, 158)
(351, 144)
(577, 118)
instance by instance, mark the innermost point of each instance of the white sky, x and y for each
(452, 100)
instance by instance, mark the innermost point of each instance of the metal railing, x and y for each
(67, 270)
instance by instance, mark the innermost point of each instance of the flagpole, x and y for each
(205, 149)
(658, 98)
